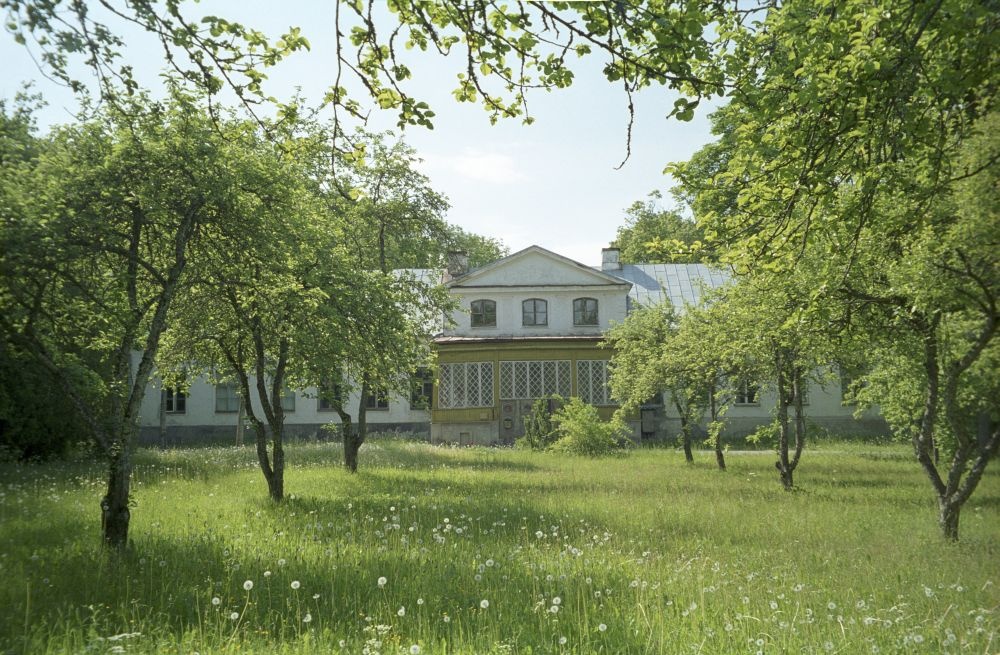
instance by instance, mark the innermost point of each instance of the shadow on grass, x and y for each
(324, 559)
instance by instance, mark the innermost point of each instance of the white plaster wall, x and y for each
(200, 409)
(824, 401)
(611, 308)
(533, 268)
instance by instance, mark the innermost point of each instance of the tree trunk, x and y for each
(713, 407)
(351, 445)
(272, 474)
(948, 518)
(163, 418)
(784, 470)
(686, 432)
(276, 485)
(685, 429)
(115, 514)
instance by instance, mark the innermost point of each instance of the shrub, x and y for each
(580, 430)
(37, 420)
(539, 430)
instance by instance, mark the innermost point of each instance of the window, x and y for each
(465, 384)
(484, 313)
(227, 398)
(288, 401)
(592, 381)
(534, 311)
(746, 394)
(331, 393)
(174, 401)
(421, 389)
(534, 379)
(805, 395)
(377, 400)
(585, 311)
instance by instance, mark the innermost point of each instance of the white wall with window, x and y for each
(204, 403)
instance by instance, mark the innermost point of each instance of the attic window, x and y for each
(534, 311)
(484, 313)
(585, 311)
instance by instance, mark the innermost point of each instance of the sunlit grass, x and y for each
(431, 549)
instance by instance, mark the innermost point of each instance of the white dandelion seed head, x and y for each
(234, 616)
(382, 581)
(414, 650)
(557, 601)
(484, 603)
(296, 584)
(267, 574)
(602, 627)
(562, 641)
(401, 611)
(216, 601)
(248, 585)
(282, 562)
(420, 601)
(307, 618)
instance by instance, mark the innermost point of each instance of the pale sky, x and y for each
(552, 183)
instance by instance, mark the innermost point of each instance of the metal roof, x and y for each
(429, 276)
(681, 284)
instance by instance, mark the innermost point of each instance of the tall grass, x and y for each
(430, 549)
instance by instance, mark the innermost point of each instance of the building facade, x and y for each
(526, 326)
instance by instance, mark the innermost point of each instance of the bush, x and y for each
(539, 430)
(37, 420)
(581, 431)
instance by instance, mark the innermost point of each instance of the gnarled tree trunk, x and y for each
(115, 513)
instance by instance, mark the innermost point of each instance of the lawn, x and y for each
(432, 549)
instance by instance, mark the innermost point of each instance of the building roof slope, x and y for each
(681, 284)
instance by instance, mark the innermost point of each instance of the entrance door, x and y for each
(512, 414)
(648, 421)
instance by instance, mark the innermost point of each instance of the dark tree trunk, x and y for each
(273, 475)
(351, 447)
(785, 471)
(163, 418)
(355, 438)
(686, 432)
(115, 513)
(682, 412)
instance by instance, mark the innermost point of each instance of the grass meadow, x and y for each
(445, 550)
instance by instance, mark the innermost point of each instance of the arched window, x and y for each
(484, 313)
(534, 311)
(585, 311)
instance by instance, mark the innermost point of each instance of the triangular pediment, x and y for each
(533, 267)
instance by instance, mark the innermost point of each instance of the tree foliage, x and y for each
(97, 235)
(652, 234)
(849, 164)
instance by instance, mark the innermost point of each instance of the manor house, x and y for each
(526, 326)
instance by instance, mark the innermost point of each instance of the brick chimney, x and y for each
(611, 259)
(458, 263)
